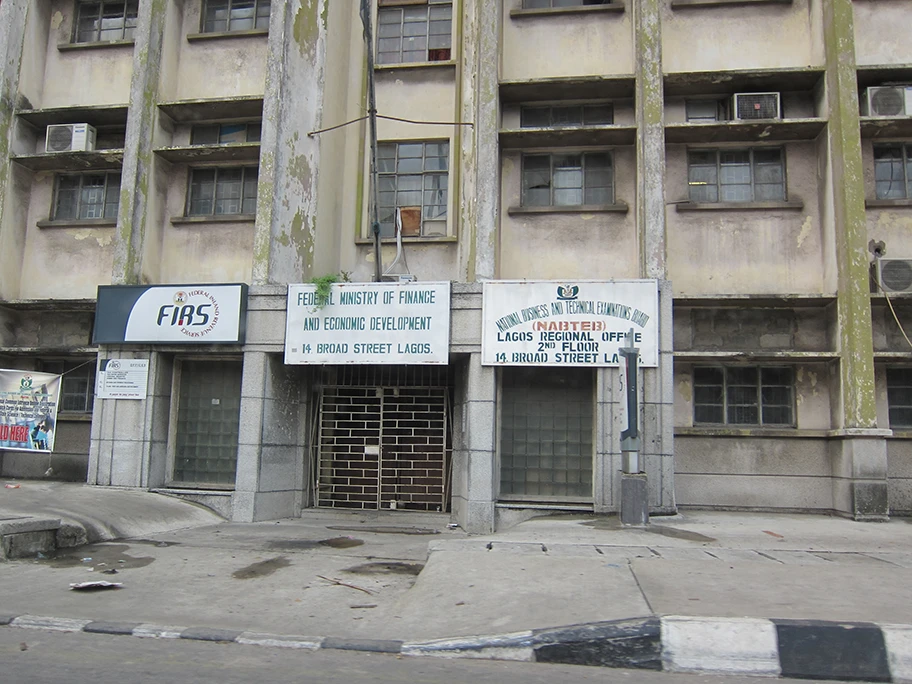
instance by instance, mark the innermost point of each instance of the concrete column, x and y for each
(137, 174)
(285, 234)
(13, 15)
(650, 120)
(480, 199)
(480, 413)
(270, 463)
(861, 450)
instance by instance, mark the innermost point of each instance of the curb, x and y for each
(808, 649)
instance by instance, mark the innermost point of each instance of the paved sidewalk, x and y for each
(701, 591)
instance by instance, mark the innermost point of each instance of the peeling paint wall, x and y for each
(746, 252)
(759, 37)
(582, 44)
(882, 31)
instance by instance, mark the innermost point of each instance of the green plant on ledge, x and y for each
(324, 286)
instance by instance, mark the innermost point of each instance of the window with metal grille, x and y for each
(414, 32)
(546, 433)
(567, 180)
(222, 191)
(77, 388)
(899, 397)
(105, 21)
(566, 116)
(546, 4)
(86, 196)
(751, 175)
(743, 395)
(222, 16)
(413, 178)
(225, 134)
(893, 171)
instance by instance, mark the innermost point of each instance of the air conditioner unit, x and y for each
(753, 106)
(894, 275)
(890, 101)
(78, 137)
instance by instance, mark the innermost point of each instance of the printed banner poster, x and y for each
(28, 410)
(582, 323)
(369, 323)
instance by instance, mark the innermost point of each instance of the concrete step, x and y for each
(26, 536)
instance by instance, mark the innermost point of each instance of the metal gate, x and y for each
(383, 447)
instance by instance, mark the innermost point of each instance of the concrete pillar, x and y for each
(137, 174)
(285, 233)
(13, 15)
(650, 120)
(860, 484)
(270, 462)
(480, 201)
(479, 441)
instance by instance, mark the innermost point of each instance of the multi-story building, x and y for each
(753, 158)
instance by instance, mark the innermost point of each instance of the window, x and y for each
(413, 179)
(414, 33)
(705, 110)
(899, 397)
(567, 180)
(223, 191)
(221, 16)
(225, 134)
(572, 115)
(545, 4)
(752, 175)
(103, 21)
(743, 396)
(86, 196)
(893, 171)
(77, 389)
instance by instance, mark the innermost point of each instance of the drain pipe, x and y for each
(372, 118)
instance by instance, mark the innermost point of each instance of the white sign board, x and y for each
(369, 323)
(122, 379)
(582, 323)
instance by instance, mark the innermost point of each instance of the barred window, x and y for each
(893, 171)
(566, 115)
(222, 191)
(751, 175)
(77, 388)
(414, 32)
(222, 16)
(567, 180)
(86, 196)
(899, 397)
(105, 21)
(413, 178)
(743, 395)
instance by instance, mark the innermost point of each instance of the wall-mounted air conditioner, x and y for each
(78, 137)
(754, 106)
(890, 101)
(894, 275)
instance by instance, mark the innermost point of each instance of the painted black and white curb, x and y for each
(813, 649)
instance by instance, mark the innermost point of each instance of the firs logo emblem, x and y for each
(195, 313)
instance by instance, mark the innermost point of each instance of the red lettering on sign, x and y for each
(4, 432)
(19, 433)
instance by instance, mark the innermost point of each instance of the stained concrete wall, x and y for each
(761, 251)
(561, 45)
(590, 245)
(72, 77)
(762, 36)
(881, 31)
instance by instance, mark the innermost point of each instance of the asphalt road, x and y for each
(43, 657)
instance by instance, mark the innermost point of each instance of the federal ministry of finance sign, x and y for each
(576, 323)
(369, 323)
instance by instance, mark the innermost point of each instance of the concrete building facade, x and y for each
(750, 158)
